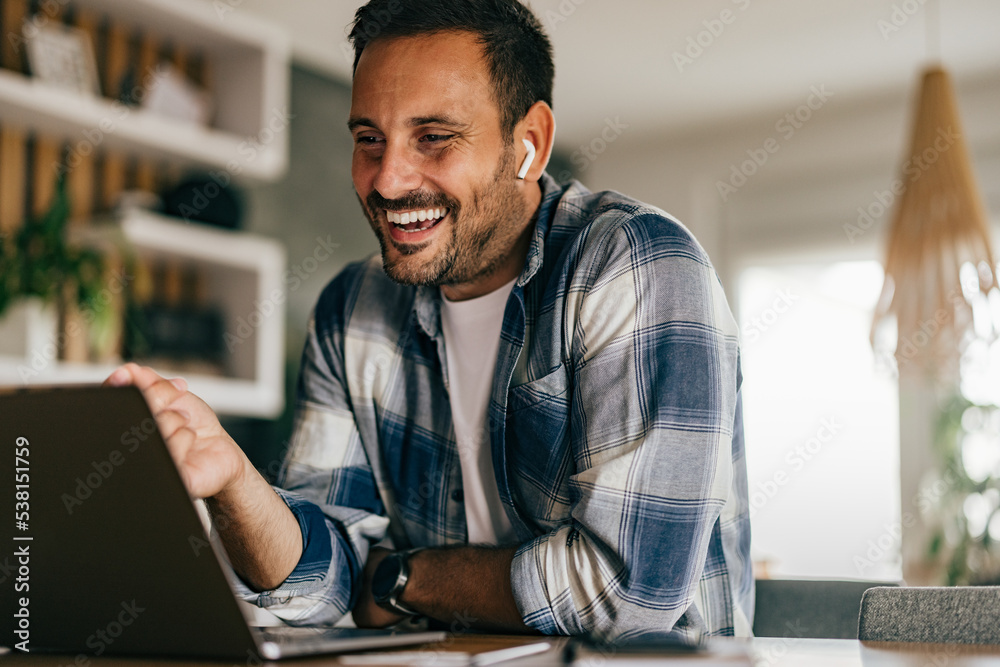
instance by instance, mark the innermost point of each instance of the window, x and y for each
(822, 422)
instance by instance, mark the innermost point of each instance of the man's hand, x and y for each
(208, 460)
(366, 613)
(261, 535)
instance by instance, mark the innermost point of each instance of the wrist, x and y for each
(237, 489)
(390, 581)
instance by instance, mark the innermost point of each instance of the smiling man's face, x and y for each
(434, 175)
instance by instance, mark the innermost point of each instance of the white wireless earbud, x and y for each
(527, 160)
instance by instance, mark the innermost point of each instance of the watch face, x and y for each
(385, 577)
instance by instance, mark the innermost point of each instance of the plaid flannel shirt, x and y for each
(615, 423)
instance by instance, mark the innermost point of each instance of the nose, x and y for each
(398, 171)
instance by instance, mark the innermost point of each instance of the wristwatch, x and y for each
(389, 581)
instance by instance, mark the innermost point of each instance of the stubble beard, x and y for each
(490, 229)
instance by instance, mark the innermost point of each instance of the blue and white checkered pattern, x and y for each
(615, 422)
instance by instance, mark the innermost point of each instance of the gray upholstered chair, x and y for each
(953, 615)
(808, 608)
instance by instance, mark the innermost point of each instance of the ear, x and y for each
(539, 127)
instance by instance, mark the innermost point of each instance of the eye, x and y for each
(436, 138)
(368, 140)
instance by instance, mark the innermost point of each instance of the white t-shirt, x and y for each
(472, 339)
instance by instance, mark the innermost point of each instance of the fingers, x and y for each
(179, 444)
(141, 376)
(171, 421)
(158, 391)
(119, 378)
(132, 373)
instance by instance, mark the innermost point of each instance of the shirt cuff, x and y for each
(317, 551)
(311, 572)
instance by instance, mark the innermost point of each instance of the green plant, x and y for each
(37, 261)
(966, 549)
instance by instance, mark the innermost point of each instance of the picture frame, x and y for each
(62, 56)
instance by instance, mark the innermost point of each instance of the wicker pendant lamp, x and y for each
(939, 240)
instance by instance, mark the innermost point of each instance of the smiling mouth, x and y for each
(416, 221)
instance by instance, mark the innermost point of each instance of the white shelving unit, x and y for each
(248, 77)
(249, 64)
(243, 276)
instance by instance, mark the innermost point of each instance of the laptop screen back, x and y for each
(107, 554)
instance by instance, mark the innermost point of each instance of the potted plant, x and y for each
(42, 275)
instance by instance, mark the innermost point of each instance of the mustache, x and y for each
(409, 202)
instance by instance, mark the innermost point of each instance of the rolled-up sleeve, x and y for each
(327, 481)
(655, 382)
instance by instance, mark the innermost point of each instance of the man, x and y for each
(536, 385)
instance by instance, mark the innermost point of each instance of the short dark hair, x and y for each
(517, 50)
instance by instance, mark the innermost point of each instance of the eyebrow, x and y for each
(446, 121)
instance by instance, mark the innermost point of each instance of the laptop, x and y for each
(106, 553)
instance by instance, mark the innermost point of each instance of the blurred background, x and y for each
(175, 188)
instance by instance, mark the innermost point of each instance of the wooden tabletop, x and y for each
(761, 651)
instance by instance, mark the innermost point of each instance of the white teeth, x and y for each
(431, 214)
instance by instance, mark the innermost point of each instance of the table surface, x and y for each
(763, 652)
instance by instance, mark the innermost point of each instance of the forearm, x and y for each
(261, 535)
(467, 586)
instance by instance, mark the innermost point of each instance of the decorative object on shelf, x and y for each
(172, 95)
(173, 325)
(244, 66)
(203, 199)
(36, 262)
(62, 56)
(27, 326)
